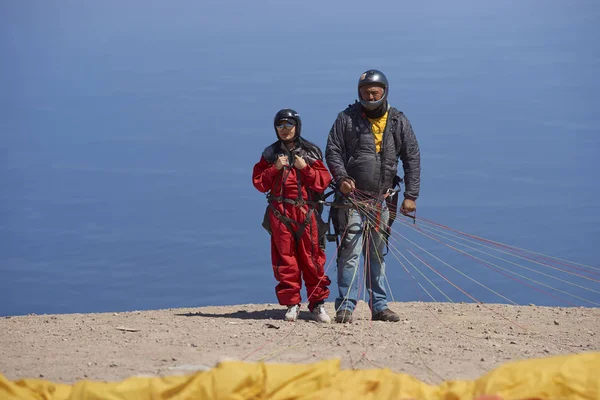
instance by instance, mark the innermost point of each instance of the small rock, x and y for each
(112, 365)
(482, 359)
(513, 342)
(41, 375)
(556, 322)
(531, 304)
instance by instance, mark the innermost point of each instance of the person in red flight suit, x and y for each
(292, 172)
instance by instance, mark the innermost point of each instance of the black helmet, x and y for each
(373, 77)
(289, 115)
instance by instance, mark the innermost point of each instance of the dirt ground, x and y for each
(434, 341)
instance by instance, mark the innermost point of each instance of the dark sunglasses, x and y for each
(285, 124)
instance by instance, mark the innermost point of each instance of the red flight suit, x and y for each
(291, 258)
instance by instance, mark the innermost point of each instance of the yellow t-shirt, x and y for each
(378, 126)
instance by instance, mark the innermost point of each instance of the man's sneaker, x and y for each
(386, 315)
(292, 313)
(343, 316)
(320, 314)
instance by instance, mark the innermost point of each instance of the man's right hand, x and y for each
(281, 162)
(347, 186)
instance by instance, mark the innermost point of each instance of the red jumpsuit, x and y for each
(291, 258)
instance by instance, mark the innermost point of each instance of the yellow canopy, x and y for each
(564, 377)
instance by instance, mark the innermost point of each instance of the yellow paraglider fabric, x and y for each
(574, 377)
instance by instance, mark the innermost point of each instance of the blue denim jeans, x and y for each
(352, 246)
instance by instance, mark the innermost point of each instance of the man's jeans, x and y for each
(353, 244)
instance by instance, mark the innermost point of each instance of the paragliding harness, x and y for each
(391, 200)
(315, 206)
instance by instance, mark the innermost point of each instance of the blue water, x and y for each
(129, 131)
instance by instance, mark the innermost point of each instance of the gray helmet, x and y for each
(289, 115)
(369, 78)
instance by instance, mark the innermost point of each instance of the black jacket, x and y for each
(351, 152)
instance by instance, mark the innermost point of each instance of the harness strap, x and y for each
(289, 223)
(299, 202)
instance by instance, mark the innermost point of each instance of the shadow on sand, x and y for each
(274, 314)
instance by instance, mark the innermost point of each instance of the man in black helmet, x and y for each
(363, 148)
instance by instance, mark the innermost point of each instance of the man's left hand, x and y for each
(299, 162)
(408, 206)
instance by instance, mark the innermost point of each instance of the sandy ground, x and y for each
(434, 341)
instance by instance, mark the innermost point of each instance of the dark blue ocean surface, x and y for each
(129, 132)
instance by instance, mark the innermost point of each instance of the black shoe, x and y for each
(343, 316)
(386, 315)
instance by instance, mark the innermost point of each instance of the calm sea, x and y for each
(129, 132)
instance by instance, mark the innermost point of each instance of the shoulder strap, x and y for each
(270, 153)
(309, 150)
(395, 117)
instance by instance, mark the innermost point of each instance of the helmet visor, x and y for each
(285, 123)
